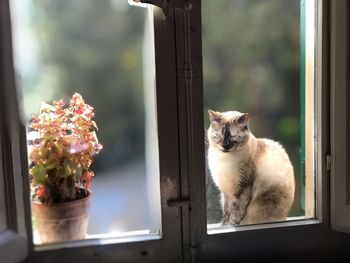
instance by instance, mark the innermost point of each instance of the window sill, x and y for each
(213, 229)
(100, 239)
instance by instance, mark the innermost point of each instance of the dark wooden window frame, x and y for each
(179, 87)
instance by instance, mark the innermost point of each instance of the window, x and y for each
(256, 65)
(268, 71)
(159, 230)
(263, 241)
(178, 81)
(95, 49)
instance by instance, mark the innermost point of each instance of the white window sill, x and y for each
(213, 229)
(99, 239)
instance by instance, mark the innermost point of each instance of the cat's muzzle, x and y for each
(228, 146)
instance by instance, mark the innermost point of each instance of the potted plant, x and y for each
(62, 145)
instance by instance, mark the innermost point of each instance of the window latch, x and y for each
(179, 202)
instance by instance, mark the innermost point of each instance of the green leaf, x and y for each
(38, 172)
(51, 164)
(68, 167)
(77, 174)
(62, 173)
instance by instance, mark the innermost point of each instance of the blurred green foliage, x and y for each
(251, 64)
(95, 48)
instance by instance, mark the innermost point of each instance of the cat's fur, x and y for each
(255, 176)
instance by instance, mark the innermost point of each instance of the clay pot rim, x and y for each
(77, 201)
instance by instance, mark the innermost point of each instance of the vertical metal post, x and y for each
(188, 86)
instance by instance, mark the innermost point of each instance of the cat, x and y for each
(254, 175)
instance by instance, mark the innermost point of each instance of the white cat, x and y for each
(255, 176)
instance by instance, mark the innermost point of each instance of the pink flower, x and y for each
(77, 148)
(59, 104)
(78, 111)
(86, 178)
(40, 190)
(90, 114)
(56, 123)
(36, 142)
(98, 147)
(35, 119)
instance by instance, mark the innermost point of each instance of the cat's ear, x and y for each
(243, 119)
(214, 116)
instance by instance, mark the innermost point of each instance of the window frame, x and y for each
(146, 249)
(3, 214)
(13, 240)
(304, 239)
(182, 166)
(150, 248)
(339, 80)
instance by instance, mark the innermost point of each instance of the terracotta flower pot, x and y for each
(63, 221)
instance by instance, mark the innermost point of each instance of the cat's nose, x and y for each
(227, 146)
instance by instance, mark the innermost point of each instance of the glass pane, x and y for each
(95, 49)
(251, 56)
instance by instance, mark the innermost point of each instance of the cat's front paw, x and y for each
(226, 219)
(235, 219)
(235, 215)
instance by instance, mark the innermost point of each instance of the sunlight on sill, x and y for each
(99, 239)
(218, 228)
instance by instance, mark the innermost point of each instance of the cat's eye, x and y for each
(217, 120)
(215, 136)
(243, 119)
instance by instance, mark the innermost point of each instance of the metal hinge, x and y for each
(328, 162)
